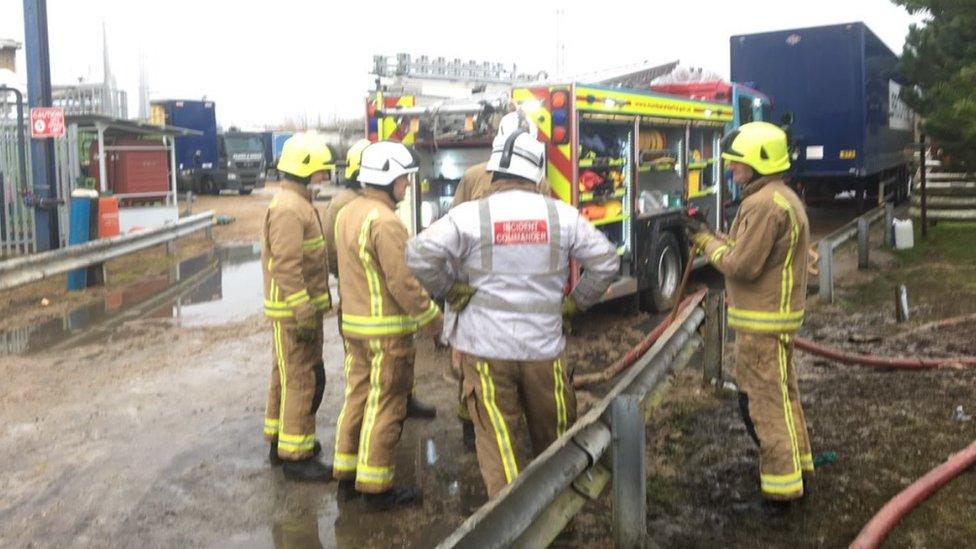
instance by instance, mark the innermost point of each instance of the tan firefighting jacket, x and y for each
(476, 183)
(764, 259)
(296, 275)
(380, 297)
(337, 203)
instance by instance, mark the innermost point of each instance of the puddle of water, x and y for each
(219, 286)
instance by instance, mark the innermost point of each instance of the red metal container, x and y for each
(134, 171)
(716, 90)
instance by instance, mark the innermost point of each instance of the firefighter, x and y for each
(475, 184)
(383, 305)
(415, 407)
(296, 295)
(764, 263)
(511, 251)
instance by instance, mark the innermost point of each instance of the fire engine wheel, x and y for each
(665, 276)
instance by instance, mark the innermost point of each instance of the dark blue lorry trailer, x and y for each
(212, 162)
(836, 89)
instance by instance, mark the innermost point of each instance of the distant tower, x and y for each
(143, 89)
(108, 81)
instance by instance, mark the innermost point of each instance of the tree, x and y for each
(939, 63)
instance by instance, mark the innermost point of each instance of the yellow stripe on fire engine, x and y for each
(619, 102)
(537, 111)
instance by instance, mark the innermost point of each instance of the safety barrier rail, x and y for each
(606, 443)
(24, 270)
(858, 227)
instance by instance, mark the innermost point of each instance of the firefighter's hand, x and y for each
(306, 322)
(305, 334)
(459, 295)
(569, 307)
(436, 326)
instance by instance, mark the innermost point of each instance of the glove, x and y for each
(306, 322)
(696, 228)
(459, 295)
(569, 307)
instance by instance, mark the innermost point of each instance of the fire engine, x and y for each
(630, 160)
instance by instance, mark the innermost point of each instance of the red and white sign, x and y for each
(532, 231)
(47, 122)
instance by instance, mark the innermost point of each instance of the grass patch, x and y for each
(942, 262)
(661, 490)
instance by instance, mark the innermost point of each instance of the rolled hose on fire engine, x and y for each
(878, 528)
(880, 361)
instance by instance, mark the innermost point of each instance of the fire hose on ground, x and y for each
(878, 528)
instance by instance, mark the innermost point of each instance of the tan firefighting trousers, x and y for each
(498, 394)
(765, 372)
(379, 377)
(297, 383)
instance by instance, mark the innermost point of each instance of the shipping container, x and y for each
(836, 90)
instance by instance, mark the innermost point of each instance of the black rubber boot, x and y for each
(417, 409)
(307, 470)
(467, 435)
(394, 497)
(346, 490)
(276, 461)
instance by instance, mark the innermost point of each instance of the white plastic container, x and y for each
(904, 234)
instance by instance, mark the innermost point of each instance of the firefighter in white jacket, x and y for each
(511, 252)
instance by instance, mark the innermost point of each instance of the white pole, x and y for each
(171, 141)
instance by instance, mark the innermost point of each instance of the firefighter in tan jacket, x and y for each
(764, 263)
(415, 407)
(296, 295)
(383, 305)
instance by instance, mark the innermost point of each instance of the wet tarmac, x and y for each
(220, 286)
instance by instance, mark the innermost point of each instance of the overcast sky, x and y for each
(264, 62)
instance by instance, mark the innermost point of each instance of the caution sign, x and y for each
(534, 231)
(47, 122)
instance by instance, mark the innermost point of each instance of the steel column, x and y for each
(46, 233)
(629, 476)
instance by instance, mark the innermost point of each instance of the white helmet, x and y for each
(515, 120)
(519, 154)
(383, 162)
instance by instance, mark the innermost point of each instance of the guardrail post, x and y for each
(714, 338)
(863, 242)
(889, 220)
(171, 248)
(629, 475)
(826, 252)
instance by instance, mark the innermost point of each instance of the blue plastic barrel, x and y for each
(79, 232)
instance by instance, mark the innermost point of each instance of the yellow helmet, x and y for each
(353, 158)
(760, 145)
(304, 154)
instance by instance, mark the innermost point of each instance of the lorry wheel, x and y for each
(207, 186)
(666, 270)
(245, 192)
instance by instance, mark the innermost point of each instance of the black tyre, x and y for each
(245, 192)
(665, 274)
(207, 186)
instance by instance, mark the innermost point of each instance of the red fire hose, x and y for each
(878, 361)
(633, 354)
(877, 529)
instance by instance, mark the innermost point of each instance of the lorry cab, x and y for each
(241, 158)
(631, 161)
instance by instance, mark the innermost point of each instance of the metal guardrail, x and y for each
(532, 510)
(24, 270)
(858, 227)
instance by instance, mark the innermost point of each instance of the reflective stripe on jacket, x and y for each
(293, 258)
(514, 247)
(764, 260)
(379, 295)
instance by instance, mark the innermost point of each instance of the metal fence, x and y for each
(949, 196)
(16, 218)
(604, 446)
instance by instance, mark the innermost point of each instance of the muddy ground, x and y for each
(887, 428)
(148, 432)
